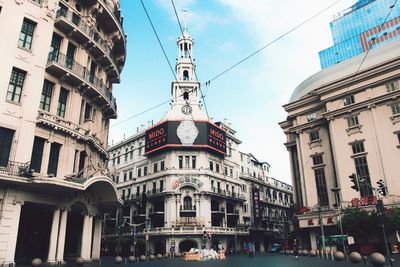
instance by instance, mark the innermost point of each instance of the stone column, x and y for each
(9, 231)
(86, 237)
(61, 236)
(51, 258)
(97, 238)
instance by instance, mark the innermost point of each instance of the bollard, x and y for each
(317, 253)
(365, 260)
(392, 262)
(331, 252)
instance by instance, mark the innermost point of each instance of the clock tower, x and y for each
(185, 90)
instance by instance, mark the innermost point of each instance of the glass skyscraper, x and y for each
(361, 27)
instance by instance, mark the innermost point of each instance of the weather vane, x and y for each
(185, 12)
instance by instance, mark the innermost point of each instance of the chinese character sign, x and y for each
(256, 205)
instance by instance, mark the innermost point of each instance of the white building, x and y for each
(345, 120)
(59, 61)
(187, 182)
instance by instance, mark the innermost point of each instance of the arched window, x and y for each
(185, 75)
(186, 96)
(187, 203)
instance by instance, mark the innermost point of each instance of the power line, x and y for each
(225, 71)
(272, 42)
(191, 60)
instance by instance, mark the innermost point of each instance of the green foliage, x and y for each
(360, 223)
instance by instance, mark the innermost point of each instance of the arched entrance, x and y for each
(73, 237)
(186, 245)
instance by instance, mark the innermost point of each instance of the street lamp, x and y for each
(336, 191)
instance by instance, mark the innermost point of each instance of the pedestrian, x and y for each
(250, 250)
(295, 248)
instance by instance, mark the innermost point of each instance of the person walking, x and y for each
(250, 250)
(295, 248)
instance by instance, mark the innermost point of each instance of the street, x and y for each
(270, 260)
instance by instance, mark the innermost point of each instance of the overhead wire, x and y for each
(191, 60)
(230, 68)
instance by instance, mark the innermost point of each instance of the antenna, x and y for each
(185, 13)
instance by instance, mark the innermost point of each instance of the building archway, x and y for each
(186, 245)
(73, 237)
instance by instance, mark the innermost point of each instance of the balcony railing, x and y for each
(17, 169)
(227, 193)
(154, 191)
(89, 32)
(69, 64)
(185, 208)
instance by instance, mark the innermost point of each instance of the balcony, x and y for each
(219, 212)
(232, 213)
(78, 29)
(227, 194)
(71, 128)
(154, 192)
(79, 76)
(14, 168)
(154, 212)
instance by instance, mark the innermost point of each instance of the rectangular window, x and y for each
(363, 174)
(398, 137)
(154, 187)
(47, 91)
(125, 176)
(145, 171)
(126, 154)
(131, 154)
(62, 10)
(180, 162)
(352, 121)
(6, 137)
(130, 175)
(88, 112)
(348, 100)
(140, 148)
(245, 208)
(396, 109)
(139, 172)
(211, 166)
(75, 19)
(242, 169)
(392, 86)
(55, 47)
(137, 191)
(314, 135)
(69, 60)
(155, 167)
(212, 185)
(217, 167)
(37, 154)
(231, 172)
(15, 85)
(226, 171)
(162, 167)
(187, 162)
(82, 162)
(62, 102)
(193, 162)
(317, 159)
(26, 35)
(161, 185)
(53, 159)
(358, 147)
(320, 182)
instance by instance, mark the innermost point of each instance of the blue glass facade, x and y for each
(350, 25)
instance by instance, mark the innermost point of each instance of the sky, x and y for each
(250, 96)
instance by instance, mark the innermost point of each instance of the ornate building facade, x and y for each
(59, 62)
(185, 184)
(341, 121)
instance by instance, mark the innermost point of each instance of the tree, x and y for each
(358, 223)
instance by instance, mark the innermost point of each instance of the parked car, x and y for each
(275, 247)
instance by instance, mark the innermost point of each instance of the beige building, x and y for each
(185, 184)
(345, 120)
(59, 61)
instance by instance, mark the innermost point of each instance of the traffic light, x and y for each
(353, 177)
(382, 187)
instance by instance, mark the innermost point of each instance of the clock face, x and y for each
(187, 132)
(186, 109)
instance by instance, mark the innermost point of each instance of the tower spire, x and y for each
(185, 90)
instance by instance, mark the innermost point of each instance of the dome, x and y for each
(346, 68)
